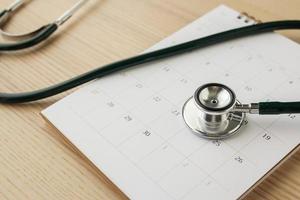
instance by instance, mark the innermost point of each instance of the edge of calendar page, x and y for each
(74, 148)
(102, 174)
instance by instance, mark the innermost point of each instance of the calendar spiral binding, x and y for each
(247, 18)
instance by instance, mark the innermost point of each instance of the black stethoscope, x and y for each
(213, 111)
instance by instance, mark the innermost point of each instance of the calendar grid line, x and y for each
(167, 142)
(119, 151)
(267, 131)
(270, 59)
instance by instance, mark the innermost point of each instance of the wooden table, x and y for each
(35, 161)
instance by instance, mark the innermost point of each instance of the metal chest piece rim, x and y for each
(210, 114)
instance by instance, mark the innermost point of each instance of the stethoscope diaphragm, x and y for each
(210, 113)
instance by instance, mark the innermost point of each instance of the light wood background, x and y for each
(35, 161)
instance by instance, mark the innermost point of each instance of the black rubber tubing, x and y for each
(146, 58)
(2, 13)
(275, 108)
(44, 33)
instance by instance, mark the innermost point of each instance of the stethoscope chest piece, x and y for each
(210, 112)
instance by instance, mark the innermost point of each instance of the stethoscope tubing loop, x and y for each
(148, 57)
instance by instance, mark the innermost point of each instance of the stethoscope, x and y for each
(213, 112)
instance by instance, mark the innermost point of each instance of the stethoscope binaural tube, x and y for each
(146, 58)
(27, 40)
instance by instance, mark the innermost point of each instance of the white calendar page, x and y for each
(129, 124)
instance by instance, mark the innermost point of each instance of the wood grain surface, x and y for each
(35, 160)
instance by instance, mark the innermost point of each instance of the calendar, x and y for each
(130, 126)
